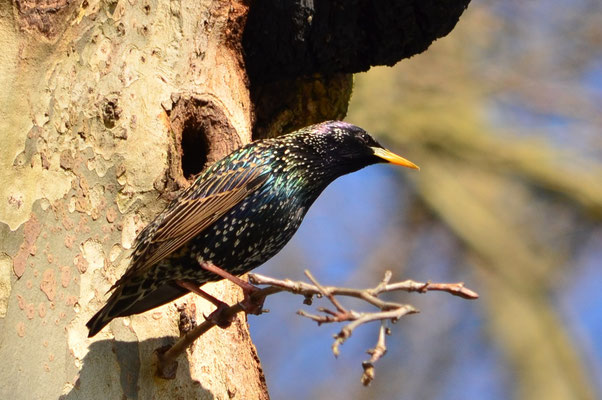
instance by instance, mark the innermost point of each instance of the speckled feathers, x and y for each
(237, 214)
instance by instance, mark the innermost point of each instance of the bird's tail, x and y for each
(131, 299)
(113, 309)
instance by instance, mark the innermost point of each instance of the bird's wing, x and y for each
(195, 210)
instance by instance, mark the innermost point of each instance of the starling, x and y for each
(238, 213)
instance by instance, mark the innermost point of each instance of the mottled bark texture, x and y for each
(106, 109)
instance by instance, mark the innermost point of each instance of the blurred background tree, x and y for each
(504, 118)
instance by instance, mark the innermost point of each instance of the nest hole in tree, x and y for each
(194, 147)
(202, 135)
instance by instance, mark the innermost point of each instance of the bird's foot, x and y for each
(252, 302)
(219, 317)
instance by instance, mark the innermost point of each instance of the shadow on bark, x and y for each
(133, 364)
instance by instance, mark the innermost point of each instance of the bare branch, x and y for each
(457, 289)
(387, 311)
(369, 295)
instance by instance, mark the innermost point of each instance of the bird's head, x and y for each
(347, 148)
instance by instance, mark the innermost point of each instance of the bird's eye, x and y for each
(365, 139)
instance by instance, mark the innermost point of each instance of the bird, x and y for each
(237, 214)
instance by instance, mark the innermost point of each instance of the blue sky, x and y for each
(342, 233)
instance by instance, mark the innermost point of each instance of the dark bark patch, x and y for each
(287, 105)
(296, 38)
(237, 19)
(45, 17)
(66, 160)
(110, 112)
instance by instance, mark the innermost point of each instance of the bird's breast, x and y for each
(253, 231)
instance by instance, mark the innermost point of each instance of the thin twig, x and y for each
(376, 354)
(364, 318)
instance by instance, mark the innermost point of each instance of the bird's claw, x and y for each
(219, 318)
(252, 304)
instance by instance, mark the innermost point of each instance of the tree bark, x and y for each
(103, 101)
(107, 109)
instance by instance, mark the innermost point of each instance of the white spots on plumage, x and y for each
(298, 166)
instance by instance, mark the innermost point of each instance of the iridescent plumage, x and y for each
(238, 213)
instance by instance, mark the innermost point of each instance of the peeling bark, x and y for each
(110, 96)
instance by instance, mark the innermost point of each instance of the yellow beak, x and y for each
(393, 158)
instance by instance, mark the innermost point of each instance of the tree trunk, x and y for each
(107, 109)
(97, 101)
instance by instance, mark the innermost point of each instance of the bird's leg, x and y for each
(197, 290)
(250, 304)
(216, 316)
(245, 286)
